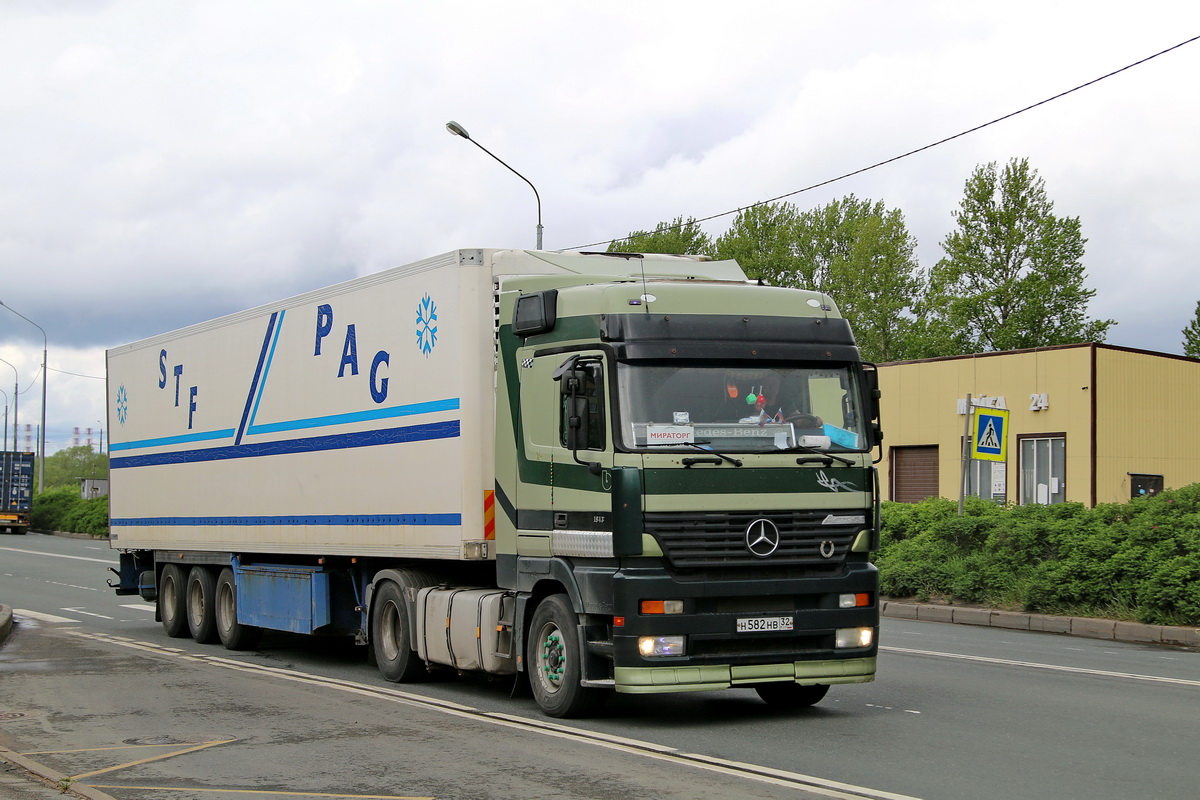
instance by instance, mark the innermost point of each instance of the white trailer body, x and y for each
(279, 430)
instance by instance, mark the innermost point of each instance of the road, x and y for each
(957, 712)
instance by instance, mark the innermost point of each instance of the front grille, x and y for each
(702, 544)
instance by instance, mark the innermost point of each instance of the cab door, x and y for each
(563, 503)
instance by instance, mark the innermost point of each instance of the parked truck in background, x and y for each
(16, 490)
(625, 472)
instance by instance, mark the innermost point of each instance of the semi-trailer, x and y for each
(16, 490)
(605, 471)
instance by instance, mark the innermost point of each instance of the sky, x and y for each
(167, 163)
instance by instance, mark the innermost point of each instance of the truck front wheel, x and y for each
(233, 634)
(172, 601)
(554, 660)
(391, 641)
(202, 622)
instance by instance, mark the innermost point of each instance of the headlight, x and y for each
(656, 646)
(854, 637)
(859, 600)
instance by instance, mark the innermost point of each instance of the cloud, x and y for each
(169, 163)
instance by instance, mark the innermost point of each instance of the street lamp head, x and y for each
(457, 130)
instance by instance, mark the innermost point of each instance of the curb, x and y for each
(55, 780)
(1086, 627)
(6, 622)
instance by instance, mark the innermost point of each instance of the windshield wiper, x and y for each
(687, 462)
(826, 458)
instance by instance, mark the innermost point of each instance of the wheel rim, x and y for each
(389, 640)
(169, 591)
(551, 657)
(226, 613)
(196, 602)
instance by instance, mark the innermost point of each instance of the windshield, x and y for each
(737, 409)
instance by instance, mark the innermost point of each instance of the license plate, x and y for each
(763, 624)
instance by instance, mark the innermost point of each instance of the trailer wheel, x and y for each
(791, 695)
(172, 601)
(391, 641)
(233, 634)
(202, 621)
(554, 660)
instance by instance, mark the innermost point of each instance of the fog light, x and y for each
(854, 637)
(657, 646)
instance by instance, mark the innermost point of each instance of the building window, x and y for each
(1142, 485)
(1043, 468)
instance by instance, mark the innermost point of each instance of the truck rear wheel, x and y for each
(554, 660)
(791, 695)
(172, 601)
(391, 639)
(201, 588)
(233, 634)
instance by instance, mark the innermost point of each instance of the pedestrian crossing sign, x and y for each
(990, 442)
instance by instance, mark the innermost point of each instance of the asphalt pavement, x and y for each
(24, 779)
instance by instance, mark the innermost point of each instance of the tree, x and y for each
(1012, 276)
(673, 238)
(762, 239)
(854, 250)
(1191, 336)
(862, 254)
(67, 466)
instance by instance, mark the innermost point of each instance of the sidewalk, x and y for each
(1087, 627)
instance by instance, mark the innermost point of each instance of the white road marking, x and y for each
(108, 561)
(86, 613)
(1052, 667)
(22, 612)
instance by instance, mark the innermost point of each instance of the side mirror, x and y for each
(577, 423)
(578, 378)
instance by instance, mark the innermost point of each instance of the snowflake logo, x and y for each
(122, 404)
(426, 325)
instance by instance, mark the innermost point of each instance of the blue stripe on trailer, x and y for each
(341, 441)
(291, 520)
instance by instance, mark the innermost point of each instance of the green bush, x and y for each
(62, 509)
(51, 507)
(1138, 560)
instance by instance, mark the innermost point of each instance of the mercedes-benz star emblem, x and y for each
(762, 538)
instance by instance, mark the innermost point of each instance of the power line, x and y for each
(885, 162)
(75, 374)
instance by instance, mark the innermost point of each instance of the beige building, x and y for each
(1087, 423)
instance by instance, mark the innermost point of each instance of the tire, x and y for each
(233, 634)
(391, 640)
(172, 601)
(554, 661)
(201, 591)
(791, 695)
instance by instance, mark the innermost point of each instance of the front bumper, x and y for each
(717, 656)
(652, 680)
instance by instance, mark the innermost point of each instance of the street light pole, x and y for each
(42, 432)
(459, 130)
(15, 403)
